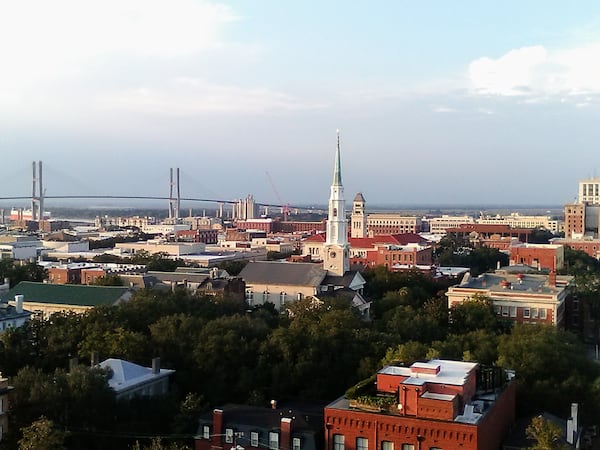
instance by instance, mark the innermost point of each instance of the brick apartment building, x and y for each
(395, 257)
(438, 405)
(198, 235)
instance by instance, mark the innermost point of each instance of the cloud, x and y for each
(184, 96)
(42, 41)
(444, 109)
(538, 72)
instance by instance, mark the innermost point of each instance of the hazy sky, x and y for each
(438, 102)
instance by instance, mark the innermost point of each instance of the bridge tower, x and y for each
(37, 192)
(174, 199)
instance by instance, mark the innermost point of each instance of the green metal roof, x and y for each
(68, 294)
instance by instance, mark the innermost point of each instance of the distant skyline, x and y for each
(462, 103)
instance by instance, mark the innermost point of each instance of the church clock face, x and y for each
(332, 254)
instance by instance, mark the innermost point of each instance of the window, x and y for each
(513, 311)
(338, 442)
(253, 439)
(362, 443)
(296, 444)
(206, 432)
(273, 440)
(498, 309)
(534, 313)
(387, 445)
(505, 311)
(526, 313)
(543, 313)
(408, 447)
(229, 435)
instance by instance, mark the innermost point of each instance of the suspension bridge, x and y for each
(38, 196)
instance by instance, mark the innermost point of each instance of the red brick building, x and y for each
(589, 246)
(198, 235)
(539, 256)
(575, 215)
(64, 275)
(300, 227)
(439, 405)
(484, 234)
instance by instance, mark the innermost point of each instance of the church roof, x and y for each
(284, 273)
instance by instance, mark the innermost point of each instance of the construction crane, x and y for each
(285, 208)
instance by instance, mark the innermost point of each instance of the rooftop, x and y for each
(68, 294)
(448, 372)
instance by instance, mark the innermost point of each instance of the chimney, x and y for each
(155, 365)
(94, 359)
(286, 433)
(217, 430)
(19, 303)
(552, 278)
(574, 420)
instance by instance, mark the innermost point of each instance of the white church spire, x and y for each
(336, 258)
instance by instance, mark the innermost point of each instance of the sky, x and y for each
(437, 102)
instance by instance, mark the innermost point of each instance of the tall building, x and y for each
(245, 208)
(336, 257)
(358, 219)
(589, 191)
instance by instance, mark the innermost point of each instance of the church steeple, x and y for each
(337, 168)
(336, 258)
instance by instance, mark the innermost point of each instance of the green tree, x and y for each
(546, 435)
(405, 354)
(109, 280)
(473, 314)
(157, 444)
(551, 365)
(42, 435)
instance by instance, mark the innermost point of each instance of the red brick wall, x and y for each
(399, 430)
(546, 257)
(498, 420)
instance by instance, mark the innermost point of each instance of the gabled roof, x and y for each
(284, 273)
(319, 237)
(351, 279)
(69, 294)
(306, 417)
(179, 276)
(126, 374)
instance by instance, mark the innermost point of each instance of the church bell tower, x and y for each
(336, 258)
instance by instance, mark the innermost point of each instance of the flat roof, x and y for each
(451, 372)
